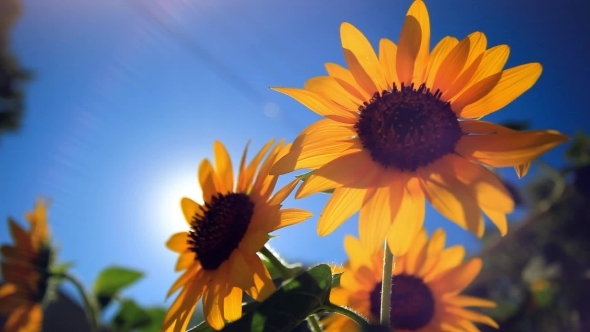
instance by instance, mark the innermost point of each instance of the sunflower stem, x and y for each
(89, 305)
(312, 320)
(385, 318)
(359, 320)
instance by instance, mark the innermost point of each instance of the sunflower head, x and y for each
(426, 287)
(219, 250)
(403, 125)
(26, 268)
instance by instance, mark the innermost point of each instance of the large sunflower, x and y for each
(219, 252)
(25, 267)
(426, 286)
(403, 126)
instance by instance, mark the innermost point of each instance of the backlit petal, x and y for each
(344, 77)
(409, 218)
(329, 87)
(178, 242)
(223, 167)
(190, 209)
(436, 58)
(319, 104)
(387, 60)
(343, 203)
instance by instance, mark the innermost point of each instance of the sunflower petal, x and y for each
(344, 77)
(438, 55)
(456, 279)
(283, 193)
(21, 237)
(223, 167)
(410, 41)
(508, 149)
(452, 65)
(319, 104)
(232, 304)
(472, 316)
(263, 284)
(208, 180)
(190, 209)
(178, 242)
(492, 63)
(449, 258)
(355, 170)
(376, 216)
(469, 301)
(409, 218)
(387, 60)
(362, 52)
(185, 260)
(418, 10)
(329, 87)
(514, 82)
(292, 216)
(240, 274)
(343, 203)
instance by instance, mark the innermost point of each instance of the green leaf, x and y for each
(297, 299)
(61, 268)
(336, 280)
(579, 150)
(111, 281)
(274, 272)
(157, 315)
(131, 316)
(303, 177)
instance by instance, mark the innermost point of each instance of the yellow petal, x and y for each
(21, 238)
(232, 304)
(514, 82)
(357, 254)
(456, 279)
(472, 316)
(376, 217)
(247, 177)
(416, 254)
(190, 209)
(292, 216)
(469, 301)
(410, 41)
(208, 180)
(359, 47)
(195, 273)
(178, 242)
(477, 47)
(493, 62)
(323, 130)
(240, 274)
(522, 169)
(387, 60)
(263, 284)
(508, 149)
(497, 217)
(451, 198)
(319, 104)
(343, 203)
(355, 170)
(223, 167)
(418, 10)
(329, 87)
(409, 219)
(265, 183)
(452, 65)
(474, 92)
(213, 304)
(362, 78)
(185, 260)
(283, 193)
(344, 77)
(313, 156)
(449, 258)
(253, 241)
(438, 55)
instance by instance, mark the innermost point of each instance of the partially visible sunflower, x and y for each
(426, 287)
(25, 269)
(219, 252)
(404, 126)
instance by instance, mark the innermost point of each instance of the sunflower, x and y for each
(426, 286)
(25, 267)
(219, 252)
(404, 126)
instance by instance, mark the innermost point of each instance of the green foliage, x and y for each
(579, 151)
(111, 281)
(291, 304)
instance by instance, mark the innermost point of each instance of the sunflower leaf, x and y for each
(111, 281)
(297, 299)
(303, 177)
(131, 317)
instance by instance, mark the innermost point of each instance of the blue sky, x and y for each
(125, 106)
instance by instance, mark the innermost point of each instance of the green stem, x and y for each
(360, 321)
(385, 318)
(89, 306)
(312, 320)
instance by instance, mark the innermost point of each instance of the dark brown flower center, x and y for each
(412, 303)
(215, 234)
(408, 128)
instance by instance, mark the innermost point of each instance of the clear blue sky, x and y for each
(121, 111)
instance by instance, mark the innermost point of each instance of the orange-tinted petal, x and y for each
(418, 10)
(208, 180)
(185, 260)
(329, 87)
(344, 77)
(410, 41)
(361, 50)
(343, 203)
(514, 82)
(263, 284)
(190, 209)
(283, 193)
(436, 58)
(387, 60)
(178, 242)
(456, 279)
(223, 167)
(232, 304)
(508, 149)
(292, 216)
(408, 220)
(319, 104)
